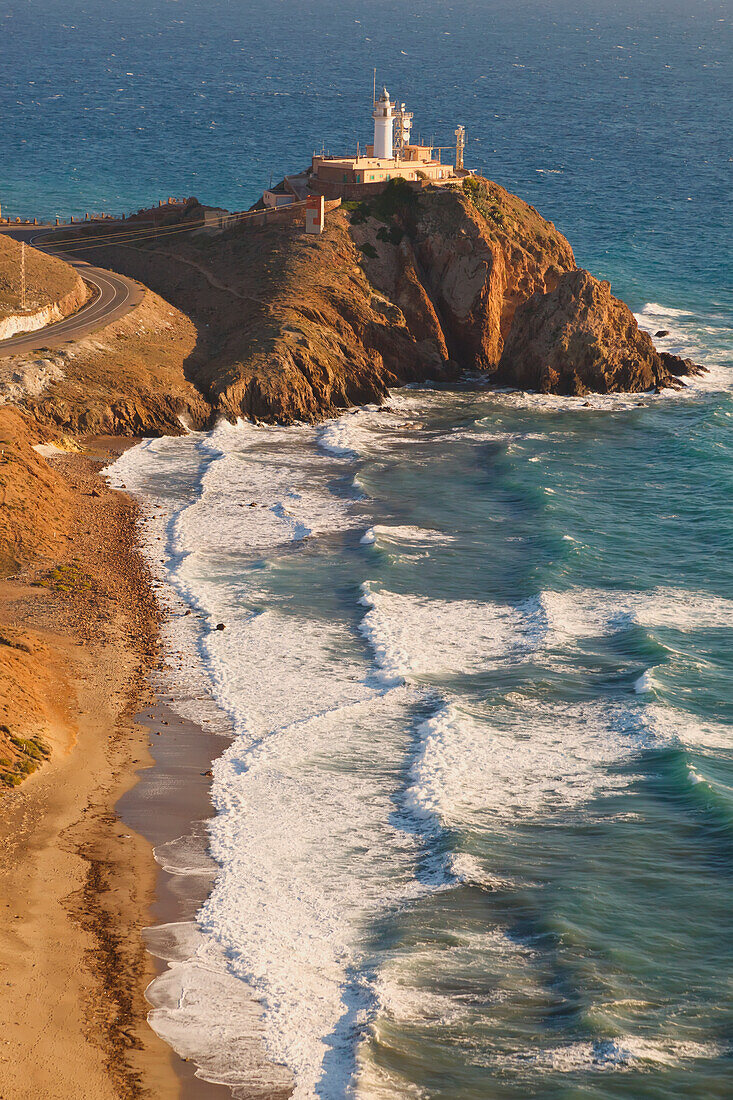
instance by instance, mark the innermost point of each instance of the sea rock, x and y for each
(579, 338)
(662, 332)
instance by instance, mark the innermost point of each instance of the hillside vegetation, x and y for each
(48, 279)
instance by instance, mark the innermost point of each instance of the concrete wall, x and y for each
(357, 191)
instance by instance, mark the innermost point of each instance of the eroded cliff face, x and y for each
(319, 338)
(479, 252)
(579, 338)
(289, 327)
(405, 288)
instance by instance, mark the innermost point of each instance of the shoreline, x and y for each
(81, 892)
(75, 883)
(169, 799)
(170, 805)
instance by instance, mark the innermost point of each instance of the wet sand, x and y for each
(172, 801)
(169, 801)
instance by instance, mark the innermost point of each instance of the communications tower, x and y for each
(460, 145)
(403, 126)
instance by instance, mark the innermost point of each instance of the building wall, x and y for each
(354, 171)
(358, 191)
(277, 198)
(293, 214)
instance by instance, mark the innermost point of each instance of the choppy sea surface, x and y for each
(475, 826)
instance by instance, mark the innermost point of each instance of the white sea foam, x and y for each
(530, 758)
(297, 882)
(210, 1016)
(586, 612)
(704, 339)
(467, 772)
(253, 502)
(317, 834)
(677, 727)
(415, 636)
(645, 683)
(622, 1053)
(420, 636)
(394, 533)
(360, 431)
(344, 437)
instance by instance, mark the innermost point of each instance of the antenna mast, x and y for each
(374, 97)
(460, 145)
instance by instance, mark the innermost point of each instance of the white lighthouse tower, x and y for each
(384, 115)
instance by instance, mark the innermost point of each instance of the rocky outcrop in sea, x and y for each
(579, 338)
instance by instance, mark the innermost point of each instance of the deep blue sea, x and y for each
(475, 829)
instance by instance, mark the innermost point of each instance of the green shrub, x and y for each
(390, 235)
(397, 200)
(479, 195)
(368, 250)
(360, 213)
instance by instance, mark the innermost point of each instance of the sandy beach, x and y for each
(77, 884)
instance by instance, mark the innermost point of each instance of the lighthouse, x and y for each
(393, 155)
(384, 115)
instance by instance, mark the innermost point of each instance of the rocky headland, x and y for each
(411, 285)
(263, 321)
(577, 338)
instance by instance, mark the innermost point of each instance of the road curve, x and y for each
(115, 296)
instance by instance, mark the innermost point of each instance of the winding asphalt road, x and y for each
(115, 296)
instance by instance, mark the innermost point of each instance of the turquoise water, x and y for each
(475, 826)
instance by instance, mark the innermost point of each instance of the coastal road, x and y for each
(115, 296)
